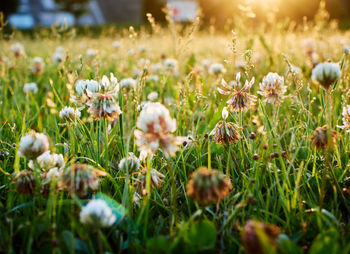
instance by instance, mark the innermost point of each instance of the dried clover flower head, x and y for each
(79, 178)
(272, 88)
(98, 214)
(321, 139)
(140, 182)
(241, 99)
(33, 144)
(25, 182)
(208, 186)
(38, 66)
(254, 232)
(130, 163)
(155, 127)
(225, 133)
(346, 119)
(326, 74)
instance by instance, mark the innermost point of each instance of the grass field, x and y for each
(267, 172)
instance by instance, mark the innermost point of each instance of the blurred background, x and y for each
(27, 14)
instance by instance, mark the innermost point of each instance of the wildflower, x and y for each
(116, 44)
(155, 126)
(130, 163)
(83, 91)
(18, 49)
(309, 46)
(38, 66)
(320, 138)
(30, 87)
(33, 144)
(131, 52)
(129, 83)
(152, 96)
(241, 99)
(69, 113)
(25, 182)
(157, 67)
(91, 52)
(272, 88)
(153, 78)
(326, 74)
(142, 49)
(49, 161)
(217, 69)
(156, 180)
(79, 178)
(208, 186)
(346, 119)
(256, 232)
(103, 102)
(98, 214)
(58, 56)
(225, 133)
(171, 65)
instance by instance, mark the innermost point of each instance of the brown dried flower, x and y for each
(208, 186)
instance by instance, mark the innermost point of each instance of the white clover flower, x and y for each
(171, 65)
(309, 46)
(153, 78)
(98, 214)
(33, 144)
(128, 83)
(58, 56)
(217, 69)
(131, 163)
(272, 88)
(131, 52)
(155, 127)
(69, 113)
(152, 96)
(143, 63)
(91, 52)
(142, 49)
(206, 63)
(83, 91)
(326, 74)
(48, 161)
(18, 49)
(38, 65)
(137, 73)
(346, 119)
(103, 102)
(156, 68)
(30, 87)
(116, 44)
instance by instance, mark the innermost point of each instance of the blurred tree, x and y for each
(76, 7)
(8, 7)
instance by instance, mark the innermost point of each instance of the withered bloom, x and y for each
(320, 138)
(25, 182)
(241, 98)
(156, 180)
(208, 186)
(79, 178)
(254, 232)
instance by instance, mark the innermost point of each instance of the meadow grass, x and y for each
(299, 188)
